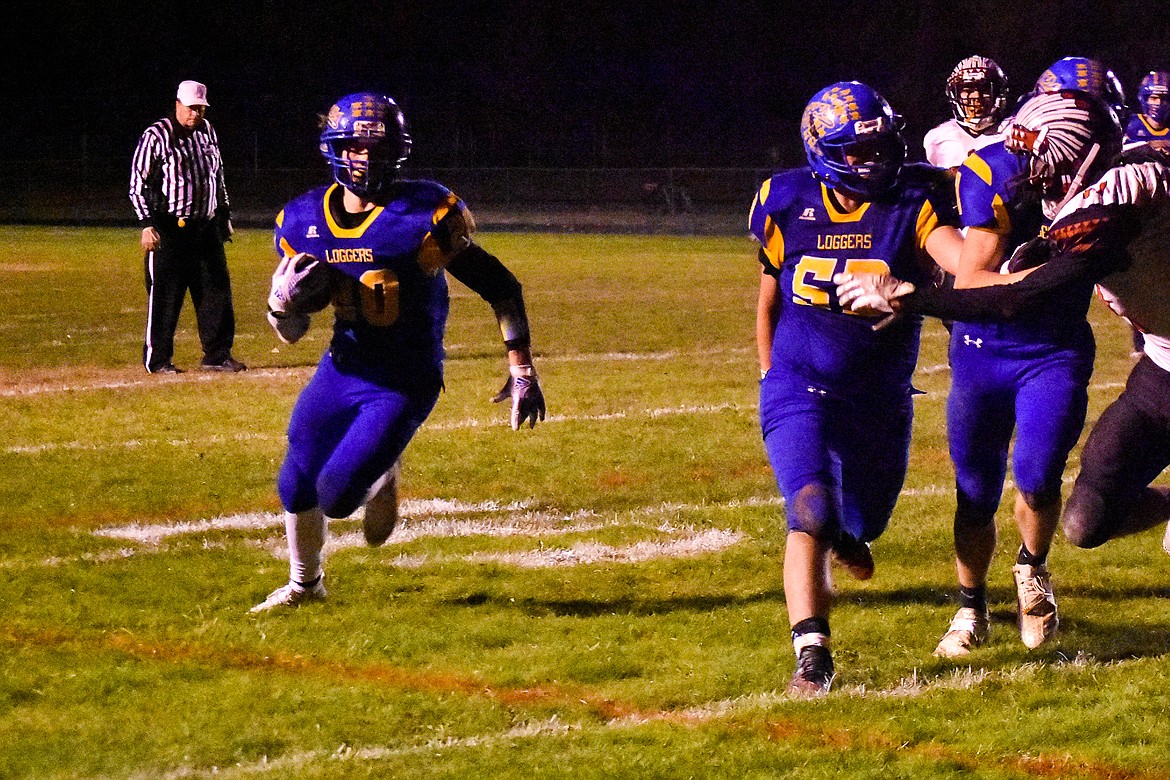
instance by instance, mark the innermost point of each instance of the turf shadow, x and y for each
(545, 607)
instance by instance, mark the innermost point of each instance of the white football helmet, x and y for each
(1069, 138)
(978, 93)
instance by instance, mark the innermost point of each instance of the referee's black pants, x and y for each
(188, 258)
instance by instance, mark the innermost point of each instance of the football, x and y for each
(302, 284)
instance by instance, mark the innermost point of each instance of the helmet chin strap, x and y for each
(1075, 185)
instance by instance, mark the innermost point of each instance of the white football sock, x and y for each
(306, 538)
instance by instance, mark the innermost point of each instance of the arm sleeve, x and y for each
(1087, 245)
(484, 274)
(492, 281)
(1000, 303)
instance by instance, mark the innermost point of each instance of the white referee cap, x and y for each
(192, 93)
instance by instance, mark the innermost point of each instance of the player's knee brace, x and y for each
(971, 517)
(1042, 499)
(1084, 518)
(815, 513)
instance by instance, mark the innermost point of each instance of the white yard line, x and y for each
(122, 384)
(760, 705)
(438, 519)
(467, 424)
(156, 532)
(288, 765)
(633, 414)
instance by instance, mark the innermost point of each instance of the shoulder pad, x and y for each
(454, 227)
(783, 185)
(420, 193)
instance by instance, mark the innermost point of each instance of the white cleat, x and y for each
(1038, 618)
(291, 595)
(1166, 539)
(381, 510)
(968, 630)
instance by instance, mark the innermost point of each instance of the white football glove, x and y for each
(870, 294)
(527, 399)
(289, 327)
(301, 284)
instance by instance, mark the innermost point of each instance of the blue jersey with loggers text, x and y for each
(390, 300)
(807, 238)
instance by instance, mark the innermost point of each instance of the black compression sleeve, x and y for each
(998, 303)
(484, 274)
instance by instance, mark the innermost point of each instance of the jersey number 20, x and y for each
(379, 297)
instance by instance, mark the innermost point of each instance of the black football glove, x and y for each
(1029, 254)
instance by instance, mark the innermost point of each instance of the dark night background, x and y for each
(523, 82)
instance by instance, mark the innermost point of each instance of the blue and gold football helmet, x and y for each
(853, 139)
(1084, 75)
(372, 121)
(1156, 82)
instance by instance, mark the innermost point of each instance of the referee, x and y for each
(178, 194)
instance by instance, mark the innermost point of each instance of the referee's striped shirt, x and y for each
(177, 173)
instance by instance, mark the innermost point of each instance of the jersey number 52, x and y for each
(812, 279)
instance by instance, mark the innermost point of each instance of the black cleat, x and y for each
(229, 366)
(814, 672)
(853, 556)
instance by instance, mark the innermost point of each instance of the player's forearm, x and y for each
(981, 253)
(767, 314)
(1001, 302)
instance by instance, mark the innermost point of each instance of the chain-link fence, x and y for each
(700, 200)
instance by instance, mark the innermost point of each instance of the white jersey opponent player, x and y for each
(978, 93)
(1112, 232)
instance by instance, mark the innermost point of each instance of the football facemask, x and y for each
(978, 92)
(853, 139)
(1156, 85)
(369, 122)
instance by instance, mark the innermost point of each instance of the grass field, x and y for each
(598, 597)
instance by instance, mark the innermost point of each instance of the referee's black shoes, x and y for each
(229, 366)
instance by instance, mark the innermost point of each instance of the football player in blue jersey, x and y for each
(378, 248)
(1152, 121)
(1030, 378)
(1109, 231)
(856, 206)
